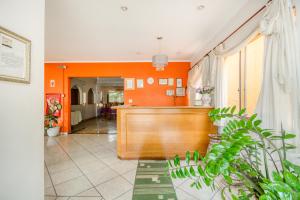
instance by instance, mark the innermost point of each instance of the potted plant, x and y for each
(51, 119)
(250, 160)
(206, 95)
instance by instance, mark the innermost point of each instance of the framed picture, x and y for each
(52, 83)
(170, 81)
(14, 57)
(179, 82)
(163, 81)
(129, 83)
(53, 101)
(170, 92)
(180, 92)
(139, 83)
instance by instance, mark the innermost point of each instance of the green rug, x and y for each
(152, 182)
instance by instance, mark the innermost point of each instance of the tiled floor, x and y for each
(95, 125)
(85, 167)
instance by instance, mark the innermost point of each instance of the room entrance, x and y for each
(92, 101)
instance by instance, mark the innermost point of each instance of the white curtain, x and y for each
(279, 101)
(198, 77)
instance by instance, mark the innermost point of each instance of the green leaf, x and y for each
(292, 180)
(232, 109)
(192, 171)
(173, 175)
(242, 112)
(187, 157)
(186, 172)
(257, 123)
(201, 171)
(196, 156)
(170, 164)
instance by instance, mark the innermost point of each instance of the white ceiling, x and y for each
(97, 30)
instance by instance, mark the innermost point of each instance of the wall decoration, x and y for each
(52, 83)
(180, 92)
(170, 92)
(163, 81)
(150, 80)
(140, 83)
(170, 81)
(14, 57)
(54, 104)
(129, 83)
(179, 82)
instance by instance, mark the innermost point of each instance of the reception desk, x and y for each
(162, 132)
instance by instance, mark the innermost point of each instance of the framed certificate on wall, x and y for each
(179, 82)
(180, 92)
(14, 57)
(129, 83)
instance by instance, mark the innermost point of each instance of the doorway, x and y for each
(92, 104)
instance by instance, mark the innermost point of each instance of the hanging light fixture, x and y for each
(160, 61)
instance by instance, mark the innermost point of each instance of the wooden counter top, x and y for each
(162, 132)
(162, 107)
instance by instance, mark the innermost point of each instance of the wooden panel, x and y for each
(162, 132)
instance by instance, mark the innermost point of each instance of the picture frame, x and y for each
(180, 92)
(170, 81)
(163, 81)
(179, 82)
(129, 83)
(170, 92)
(15, 59)
(139, 83)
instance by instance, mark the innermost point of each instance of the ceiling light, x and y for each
(200, 7)
(124, 8)
(159, 61)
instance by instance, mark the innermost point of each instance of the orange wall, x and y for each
(150, 95)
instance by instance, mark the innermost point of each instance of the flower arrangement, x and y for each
(205, 90)
(54, 108)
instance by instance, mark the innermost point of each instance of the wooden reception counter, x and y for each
(162, 132)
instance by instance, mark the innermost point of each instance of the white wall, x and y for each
(298, 20)
(21, 109)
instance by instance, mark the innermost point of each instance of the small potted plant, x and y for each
(206, 95)
(51, 119)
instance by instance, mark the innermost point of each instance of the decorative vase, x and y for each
(198, 99)
(52, 132)
(213, 139)
(206, 99)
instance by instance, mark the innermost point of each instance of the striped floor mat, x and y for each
(152, 182)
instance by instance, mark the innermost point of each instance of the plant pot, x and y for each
(52, 132)
(198, 99)
(206, 99)
(213, 139)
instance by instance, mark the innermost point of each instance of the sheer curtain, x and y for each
(279, 101)
(198, 77)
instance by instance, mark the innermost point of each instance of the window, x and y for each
(91, 96)
(244, 75)
(115, 97)
(75, 99)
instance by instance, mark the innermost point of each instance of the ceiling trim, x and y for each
(110, 61)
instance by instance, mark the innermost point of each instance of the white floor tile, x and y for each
(114, 188)
(73, 187)
(102, 175)
(65, 175)
(130, 176)
(89, 193)
(92, 166)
